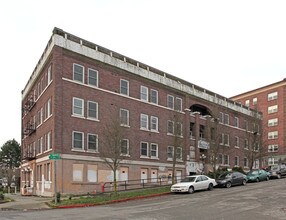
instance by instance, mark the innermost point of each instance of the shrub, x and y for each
(58, 195)
(238, 169)
(1, 196)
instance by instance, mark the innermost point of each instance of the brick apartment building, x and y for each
(78, 87)
(271, 101)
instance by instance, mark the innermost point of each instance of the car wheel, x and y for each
(228, 185)
(278, 176)
(257, 179)
(244, 182)
(191, 190)
(267, 178)
(211, 186)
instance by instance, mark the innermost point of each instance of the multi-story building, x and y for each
(79, 88)
(271, 101)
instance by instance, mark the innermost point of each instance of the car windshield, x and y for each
(253, 172)
(188, 179)
(225, 175)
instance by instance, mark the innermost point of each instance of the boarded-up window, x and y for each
(92, 173)
(77, 172)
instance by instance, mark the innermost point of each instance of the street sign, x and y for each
(55, 156)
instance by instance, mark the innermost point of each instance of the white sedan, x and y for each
(192, 183)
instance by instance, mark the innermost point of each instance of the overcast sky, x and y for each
(228, 47)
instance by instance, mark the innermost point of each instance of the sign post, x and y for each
(55, 157)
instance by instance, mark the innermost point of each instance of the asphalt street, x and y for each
(263, 201)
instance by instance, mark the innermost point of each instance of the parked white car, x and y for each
(193, 183)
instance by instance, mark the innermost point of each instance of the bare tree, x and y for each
(177, 126)
(253, 143)
(217, 137)
(112, 146)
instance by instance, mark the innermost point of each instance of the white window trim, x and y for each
(273, 122)
(168, 133)
(142, 89)
(147, 122)
(181, 104)
(77, 149)
(272, 135)
(121, 80)
(144, 156)
(127, 154)
(75, 114)
(236, 145)
(168, 101)
(96, 77)
(87, 140)
(125, 125)
(272, 96)
(75, 64)
(157, 149)
(92, 118)
(156, 91)
(157, 123)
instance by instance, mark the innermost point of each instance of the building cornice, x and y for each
(75, 44)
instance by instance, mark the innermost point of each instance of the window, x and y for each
(272, 135)
(144, 121)
(170, 152)
(124, 150)
(48, 176)
(144, 93)
(179, 153)
(93, 77)
(236, 122)
(245, 143)
(40, 145)
(49, 108)
(179, 129)
(272, 122)
(154, 150)
(154, 96)
(226, 159)
(272, 96)
(272, 109)
(170, 127)
(226, 119)
(78, 105)
(226, 139)
(49, 140)
(92, 173)
(221, 117)
(246, 125)
(154, 123)
(124, 117)
(92, 110)
(78, 73)
(50, 76)
(144, 149)
(245, 162)
(170, 101)
(77, 172)
(254, 101)
(272, 161)
(236, 161)
(273, 148)
(124, 87)
(247, 102)
(220, 159)
(236, 141)
(178, 105)
(77, 140)
(92, 142)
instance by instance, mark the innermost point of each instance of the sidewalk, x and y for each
(25, 202)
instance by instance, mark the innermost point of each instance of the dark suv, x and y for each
(277, 171)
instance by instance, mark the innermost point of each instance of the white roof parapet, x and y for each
(80, 46)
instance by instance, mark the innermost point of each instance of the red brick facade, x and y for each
(57, 98)
(267, 99)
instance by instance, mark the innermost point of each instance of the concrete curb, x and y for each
(109, 202)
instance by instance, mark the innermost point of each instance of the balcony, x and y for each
(28, 155)
(29, 104)
(29, 129)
